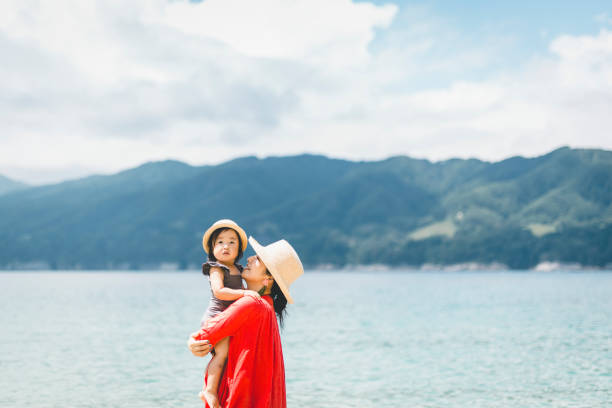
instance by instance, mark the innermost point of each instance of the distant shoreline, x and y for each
(428, 267)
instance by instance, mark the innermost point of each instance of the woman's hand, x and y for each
(251, 293)
(198, 348)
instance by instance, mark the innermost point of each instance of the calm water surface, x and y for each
(486, 339)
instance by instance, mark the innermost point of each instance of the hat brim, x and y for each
(225, 224)
(266, 259)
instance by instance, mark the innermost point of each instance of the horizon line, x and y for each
(27, 184)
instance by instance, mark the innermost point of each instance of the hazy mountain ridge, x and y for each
(398, 211)
(8, 185)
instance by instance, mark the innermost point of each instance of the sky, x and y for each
(99, 86)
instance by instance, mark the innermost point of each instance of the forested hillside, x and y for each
(399, 211)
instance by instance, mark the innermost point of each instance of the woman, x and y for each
(255, 373)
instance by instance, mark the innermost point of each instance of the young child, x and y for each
(224, 242)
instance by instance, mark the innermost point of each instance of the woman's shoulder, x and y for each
(255, 304)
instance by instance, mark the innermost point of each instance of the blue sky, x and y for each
(525, 20)
(96, 86)
(524, 28)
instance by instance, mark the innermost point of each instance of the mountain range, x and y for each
(7, 185)
(401, 211)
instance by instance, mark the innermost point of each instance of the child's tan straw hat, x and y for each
(282, 261)
(225, 223)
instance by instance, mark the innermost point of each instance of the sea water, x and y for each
(352, 339)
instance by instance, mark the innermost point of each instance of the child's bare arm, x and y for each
(223, 293)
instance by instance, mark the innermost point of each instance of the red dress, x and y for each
(254, 375)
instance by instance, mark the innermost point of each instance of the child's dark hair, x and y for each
(279, 301)
(211, 243)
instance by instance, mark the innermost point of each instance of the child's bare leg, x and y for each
(215, 368)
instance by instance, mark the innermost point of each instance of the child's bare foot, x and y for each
(209, 398)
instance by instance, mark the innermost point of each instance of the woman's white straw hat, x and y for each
(282, 261)
(225, 223)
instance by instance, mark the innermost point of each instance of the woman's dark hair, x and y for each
(279, 301)
(211, 243)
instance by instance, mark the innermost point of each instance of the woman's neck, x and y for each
(256, 286)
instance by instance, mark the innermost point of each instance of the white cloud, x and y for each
(603, 18)
(105, 85)
(313, 30)
(561, 99)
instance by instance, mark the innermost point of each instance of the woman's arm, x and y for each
(223, 293)
(229, 321)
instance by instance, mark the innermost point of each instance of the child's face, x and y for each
(225, 247)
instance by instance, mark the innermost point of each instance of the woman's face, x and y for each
(255, 270)
(225, 247)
